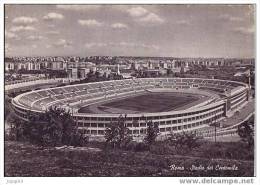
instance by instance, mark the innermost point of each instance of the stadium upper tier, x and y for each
(230, 97)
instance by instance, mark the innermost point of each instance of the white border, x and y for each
(102, 180)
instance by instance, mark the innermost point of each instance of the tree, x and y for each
(151, 133)
(97, 75)
(62, 124)
(117, 134)
(111, 134)
(169, 72)
(246, 133)
(54, 127)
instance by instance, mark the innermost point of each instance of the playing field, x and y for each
(147, 102)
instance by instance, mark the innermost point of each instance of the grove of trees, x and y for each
(53, 128)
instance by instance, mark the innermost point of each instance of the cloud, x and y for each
(152, 18)
(236, 19)
(183, 22)
(22, 28)
(121, 44)
(231, 18)
(24, 20)
(138, 45)
(94, 44)
(62, 43)
(244, 31)
(34, 46)
(48, 46)
(78, 7)
(50, 25)
(53, 16)
(89, 22)
(7, 48)
(10, 35)
(119, 26)
(251, 10)
(137, 11)
(53, 32)
(142, 15)
(35, 37)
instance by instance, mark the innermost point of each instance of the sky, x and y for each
(130, 30)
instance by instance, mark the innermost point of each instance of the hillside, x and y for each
(23, 159)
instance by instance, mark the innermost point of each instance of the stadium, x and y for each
(176, 104)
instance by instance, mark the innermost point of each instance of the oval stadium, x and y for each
(176, 104)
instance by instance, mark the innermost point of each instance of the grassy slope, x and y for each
(27, 160)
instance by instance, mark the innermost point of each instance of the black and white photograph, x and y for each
(129, 90)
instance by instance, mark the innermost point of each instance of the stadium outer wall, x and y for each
(94, 125)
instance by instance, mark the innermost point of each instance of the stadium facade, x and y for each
(227, 97)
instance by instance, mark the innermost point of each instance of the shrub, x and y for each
(160, 149)
(185, 139)
(136, 146)
(140, 147)
(232, 150)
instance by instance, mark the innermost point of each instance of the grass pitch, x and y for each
(153, 102)
(148, 102)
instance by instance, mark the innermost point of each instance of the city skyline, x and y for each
(218, 31)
